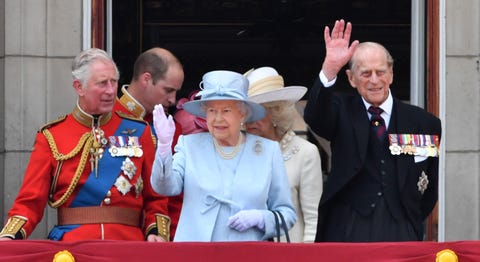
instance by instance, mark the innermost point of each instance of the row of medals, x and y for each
(118, 147)
(428, 149)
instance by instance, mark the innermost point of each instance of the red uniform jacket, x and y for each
(41, 182)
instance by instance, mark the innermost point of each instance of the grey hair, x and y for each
(82, 62)
(371, 45)
(242, 106)
(282, 115)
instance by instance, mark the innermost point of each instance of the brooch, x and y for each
(422, 183)
(257, 148)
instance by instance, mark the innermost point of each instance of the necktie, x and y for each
(378, 125)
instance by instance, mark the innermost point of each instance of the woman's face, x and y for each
(224, 118)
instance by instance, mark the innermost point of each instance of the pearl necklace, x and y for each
(231, 154)
(284, 143)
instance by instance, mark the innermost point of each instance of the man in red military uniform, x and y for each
(93, 165)
(157, 76)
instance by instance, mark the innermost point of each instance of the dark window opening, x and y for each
(242, 34)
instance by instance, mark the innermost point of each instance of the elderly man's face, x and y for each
(99, 94)
(371, 75)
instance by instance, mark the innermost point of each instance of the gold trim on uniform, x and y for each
(54, 122)
(86, 119)
(84, 144)
(13, 226)
(131, 103)
(163, 226)
(123, 185)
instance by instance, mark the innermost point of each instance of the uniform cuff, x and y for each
(14, 228)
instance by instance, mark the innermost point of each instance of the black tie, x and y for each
(378, 125)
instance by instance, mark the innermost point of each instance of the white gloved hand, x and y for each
(246, 219)
(164, 129)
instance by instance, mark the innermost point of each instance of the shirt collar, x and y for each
(386, 106)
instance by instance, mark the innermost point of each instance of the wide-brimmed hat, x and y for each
(266, 85)
(224, 85)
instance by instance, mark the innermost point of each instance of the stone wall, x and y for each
(462, 123)
(40, 40)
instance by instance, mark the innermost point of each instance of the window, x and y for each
(241, 34)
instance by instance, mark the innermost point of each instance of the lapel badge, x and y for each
(129, 168)
(122, 185)
(422, 182)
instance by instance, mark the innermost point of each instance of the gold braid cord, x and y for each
(85, 142)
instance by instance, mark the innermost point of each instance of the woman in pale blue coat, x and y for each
(230, 180)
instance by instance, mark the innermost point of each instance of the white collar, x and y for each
(386, 106)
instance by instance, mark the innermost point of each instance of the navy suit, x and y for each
(343, 120)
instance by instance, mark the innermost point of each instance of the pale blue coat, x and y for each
(212, 193)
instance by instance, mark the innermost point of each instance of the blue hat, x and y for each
(224, 85)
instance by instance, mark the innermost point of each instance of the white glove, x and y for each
(164, 129)
(246, 219)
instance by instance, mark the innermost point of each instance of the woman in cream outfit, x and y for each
(302, 159)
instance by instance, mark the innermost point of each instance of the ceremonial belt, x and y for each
(99, 215)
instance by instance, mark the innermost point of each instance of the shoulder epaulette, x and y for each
(52, 123)
(130, 117)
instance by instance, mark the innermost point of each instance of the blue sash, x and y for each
(95, 188)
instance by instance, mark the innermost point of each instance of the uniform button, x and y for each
(372, 205)
(383, 172)
(382, 161)
(109, 193)
(379, 193)
(107, 201)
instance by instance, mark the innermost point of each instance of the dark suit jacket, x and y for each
(343, 120)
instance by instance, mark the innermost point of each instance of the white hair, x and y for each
(82, 62)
